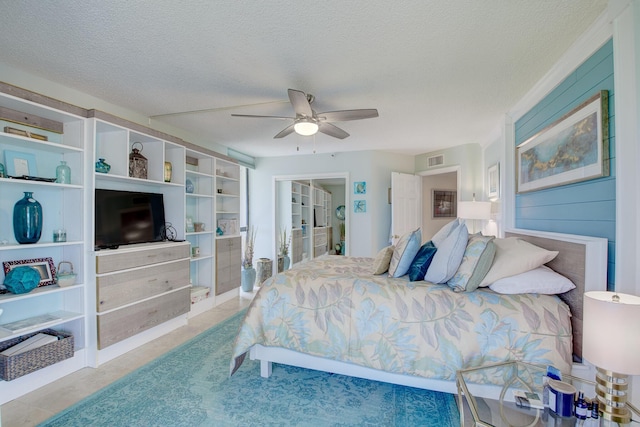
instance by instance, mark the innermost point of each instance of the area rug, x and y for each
(191, 386)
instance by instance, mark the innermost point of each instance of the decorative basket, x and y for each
(12, 367)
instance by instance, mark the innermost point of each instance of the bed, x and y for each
(332, 314)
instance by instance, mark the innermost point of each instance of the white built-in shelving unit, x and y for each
(60, 204)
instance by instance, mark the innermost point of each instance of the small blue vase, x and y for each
(27, 219)
(102, 166)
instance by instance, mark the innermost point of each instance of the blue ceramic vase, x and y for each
(248, 278)
(27, 219)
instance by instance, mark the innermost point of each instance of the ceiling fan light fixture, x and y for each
(305, 128)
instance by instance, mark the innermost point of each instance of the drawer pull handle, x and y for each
(152, 280)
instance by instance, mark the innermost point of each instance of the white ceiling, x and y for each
(441, 73)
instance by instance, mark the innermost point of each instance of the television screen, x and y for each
(127, 217)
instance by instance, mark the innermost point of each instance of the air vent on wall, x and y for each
(435, 160)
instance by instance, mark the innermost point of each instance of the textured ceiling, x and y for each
(440, 73)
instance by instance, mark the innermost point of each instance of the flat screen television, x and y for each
(127, 217)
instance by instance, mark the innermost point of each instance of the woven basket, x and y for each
(12, 367)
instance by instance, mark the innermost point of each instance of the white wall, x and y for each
(368, 232)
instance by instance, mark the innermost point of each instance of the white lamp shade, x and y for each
(305, 128)
(474, 210)
(611, 332)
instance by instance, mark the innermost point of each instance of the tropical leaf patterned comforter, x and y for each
(334, 308)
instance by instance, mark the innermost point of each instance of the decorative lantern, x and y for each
(137, 162)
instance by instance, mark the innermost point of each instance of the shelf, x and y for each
(201, 258)
(227, 178)
(23, 142)
(17, 246)
(197, 174)
(198, 233)
(133, 181)
(199, 195)
(38, 292)
(62, 317)
(15, 181)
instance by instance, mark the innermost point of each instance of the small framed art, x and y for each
(444, 204)
(360, 187)
(493, 182)
(359, 206)
(44, 266)
(19, 164)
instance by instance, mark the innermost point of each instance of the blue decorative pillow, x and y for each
(404, 252)
(449, 256)
(476, 262)
(444, 232)
(421, 262)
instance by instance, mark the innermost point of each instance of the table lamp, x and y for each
(474, 210)
(611, 342)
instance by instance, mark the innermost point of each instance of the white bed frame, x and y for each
(583, 259)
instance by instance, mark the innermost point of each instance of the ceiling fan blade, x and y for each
(332, 130)
(344, 115)
(300, 103)
(263, 117)
(286, 131)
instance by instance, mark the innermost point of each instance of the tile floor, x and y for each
(39, 405)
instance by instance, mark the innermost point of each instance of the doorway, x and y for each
(307, 206)
(442, 182)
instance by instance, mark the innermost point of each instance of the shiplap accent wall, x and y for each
(588, 207)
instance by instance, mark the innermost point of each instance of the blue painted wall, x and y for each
(589, 207)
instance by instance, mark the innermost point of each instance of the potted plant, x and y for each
(342, 234)
(285, 240)
(248, 272)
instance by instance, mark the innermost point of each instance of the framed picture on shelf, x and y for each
(44, 266)
(228, 226)
(190, 228)
(19, 164)
(574, 148)
(444, 204)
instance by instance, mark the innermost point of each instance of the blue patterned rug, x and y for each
(190, 386)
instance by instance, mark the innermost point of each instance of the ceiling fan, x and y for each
(308, 122)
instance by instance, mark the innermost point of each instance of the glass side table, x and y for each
(497, 407)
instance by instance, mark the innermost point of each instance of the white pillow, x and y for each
(444, 232)
(541, 280)
(515, 256)
(404, 252)
(449, 255)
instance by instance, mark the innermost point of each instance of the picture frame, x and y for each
(190, 228)
(228, 226)
(444, 204)
(360, 187)
(572, 149)
(493, 182)
(359, 206)
(45, 267)
(19, 163)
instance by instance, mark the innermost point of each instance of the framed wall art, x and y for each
(574, 148)
(360, 187)
(44, 266)
(493, 182)
(360, 206)
(445, 204)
